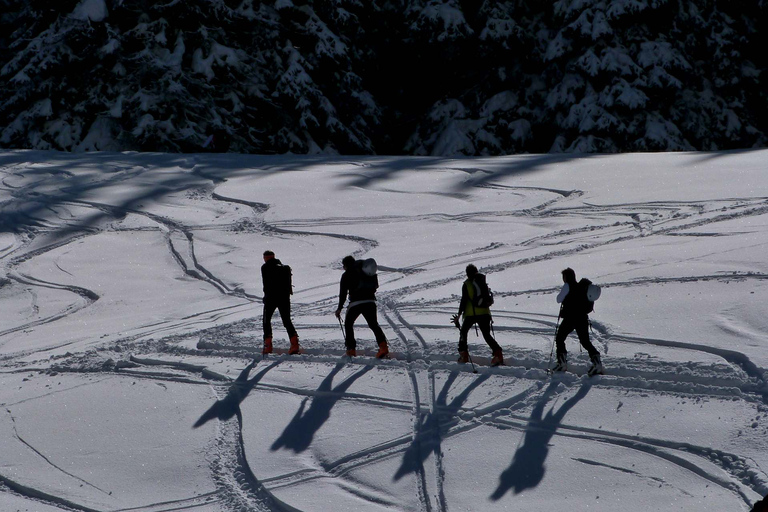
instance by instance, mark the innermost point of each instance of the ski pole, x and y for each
(474, 370)
(557, 326)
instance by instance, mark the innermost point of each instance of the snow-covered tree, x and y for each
(647, 75)
(487, 112)
(133, 75)
(317, 83)
(390, 76)
(143, 75)
(603, 76)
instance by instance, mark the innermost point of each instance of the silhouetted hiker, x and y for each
(575, 306)
(360, 282)
(278, 288)
(476, 301)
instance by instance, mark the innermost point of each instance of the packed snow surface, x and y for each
(131, 374)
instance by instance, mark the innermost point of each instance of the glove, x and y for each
(455, 320)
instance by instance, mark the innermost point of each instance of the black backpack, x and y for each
(484, 299)
(284, 278)
(583, 296)
(366, 274)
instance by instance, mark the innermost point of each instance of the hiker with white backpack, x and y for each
(359, 282)
(576, 301)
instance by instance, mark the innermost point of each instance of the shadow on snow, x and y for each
(43, 181)
(527, 468)
(229, 406)
(300, 432)
(428, 436)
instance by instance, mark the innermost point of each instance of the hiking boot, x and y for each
(562, 363)
(597, 365)
(295, 349)
(497, 359)
(351, 352)
(383, 352)
(463, 357)
(267, 346)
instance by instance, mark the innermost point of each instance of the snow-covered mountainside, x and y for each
(131, 375)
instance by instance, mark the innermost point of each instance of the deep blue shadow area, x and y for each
(427, 439)
(51, 179)
(528, 464)
(229, 406)
(298, 434)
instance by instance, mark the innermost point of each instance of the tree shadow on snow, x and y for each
(42, 182)
(527, 468)
(481, 171)
(427, 438)
(229, 406)
(520, 165)
(300, 432)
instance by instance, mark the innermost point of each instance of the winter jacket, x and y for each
(274, 287)
(572, 297)
(469, 290)
(351, 284)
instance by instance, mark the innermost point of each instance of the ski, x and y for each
(366, 356)
(589, 373)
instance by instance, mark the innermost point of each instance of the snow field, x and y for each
(131, 374)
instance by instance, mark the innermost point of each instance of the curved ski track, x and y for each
(434, 420)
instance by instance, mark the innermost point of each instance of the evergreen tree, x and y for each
(317, 83)
(161, 77)
(438, 77)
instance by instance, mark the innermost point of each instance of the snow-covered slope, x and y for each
(130, 366)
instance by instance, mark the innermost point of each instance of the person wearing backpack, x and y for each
(575, 307)
(278, 289)
(476, 300)
(359, 282)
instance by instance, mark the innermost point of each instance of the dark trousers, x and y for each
(368, 310)
(282, 305)
(482, 321)
(581, 326)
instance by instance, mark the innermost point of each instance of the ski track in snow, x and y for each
(435, 419)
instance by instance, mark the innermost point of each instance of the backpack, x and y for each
(369, 267)
(588, 294)
(484, 299)
(284, 278)
(366, 270)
